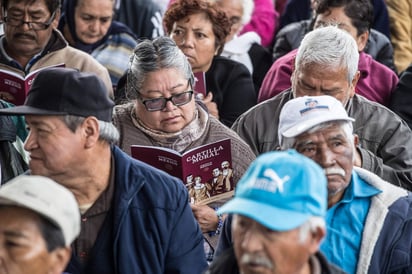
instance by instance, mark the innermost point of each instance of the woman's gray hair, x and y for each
(107, 131)
(330, 47)
(154, 55)
(346, 126)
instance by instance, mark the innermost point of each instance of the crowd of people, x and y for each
(312, 99)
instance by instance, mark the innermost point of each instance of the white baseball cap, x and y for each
(47, 198)
(301, 114)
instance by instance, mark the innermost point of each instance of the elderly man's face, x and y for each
(316, 80)
(333, 151)
(55, 151)
(261, 250)
(22, 247)
(23, 40)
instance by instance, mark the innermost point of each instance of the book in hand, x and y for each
(200, 83)
(206, 170)
(14, 86)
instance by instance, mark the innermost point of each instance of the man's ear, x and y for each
(362, 40)
(356, 139)
(316, 238)
(354, 83)
(59, 258)
(91, 131)
(55, 22)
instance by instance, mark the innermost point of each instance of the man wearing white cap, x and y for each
(369, 221)
(278, 222)
(39, 219)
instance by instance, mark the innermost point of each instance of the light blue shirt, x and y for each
(345, 222)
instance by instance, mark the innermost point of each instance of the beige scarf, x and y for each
(180, 140)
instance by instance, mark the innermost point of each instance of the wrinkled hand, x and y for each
(211, 106)
(206, 217)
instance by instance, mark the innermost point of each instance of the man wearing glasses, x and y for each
(31, 41)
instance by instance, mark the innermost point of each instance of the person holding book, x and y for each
(31, 42)
(135, 218)
(163, 112)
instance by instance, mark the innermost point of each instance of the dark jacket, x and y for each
(401, 99)
(290, 37)
(232, 88)
(143, 17)
(226, 264)
(385, 140)
(150, 227)
(261, 61)
(296, 10)
(11, 162)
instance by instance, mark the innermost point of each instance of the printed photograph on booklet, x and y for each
(206, 171)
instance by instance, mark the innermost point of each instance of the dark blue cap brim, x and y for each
(28, 110)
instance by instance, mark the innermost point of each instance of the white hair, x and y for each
(330, 47)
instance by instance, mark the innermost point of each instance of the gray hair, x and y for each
(310, 226)
(150, 56)
(107, 131)
(346, 126)
(330, 47)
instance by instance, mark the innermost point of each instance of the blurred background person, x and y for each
(379, 46)
(401, 102)
(400, 22)
(297, 10)
(143, 17)
(245, 48)
(200, 30)
(88, 25)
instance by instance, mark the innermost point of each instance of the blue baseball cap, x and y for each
(280, 190)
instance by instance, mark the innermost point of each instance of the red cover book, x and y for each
(14, 86)
(200, 83)
(206, 170)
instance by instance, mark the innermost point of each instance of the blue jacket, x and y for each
(150, 227)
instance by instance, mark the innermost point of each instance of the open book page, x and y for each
(206, 170)
(14, 86)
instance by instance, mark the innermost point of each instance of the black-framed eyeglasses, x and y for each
(178, 99)
(34, 25)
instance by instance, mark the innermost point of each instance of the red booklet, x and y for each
(200, 83)
(14, 86)
(206, 170)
